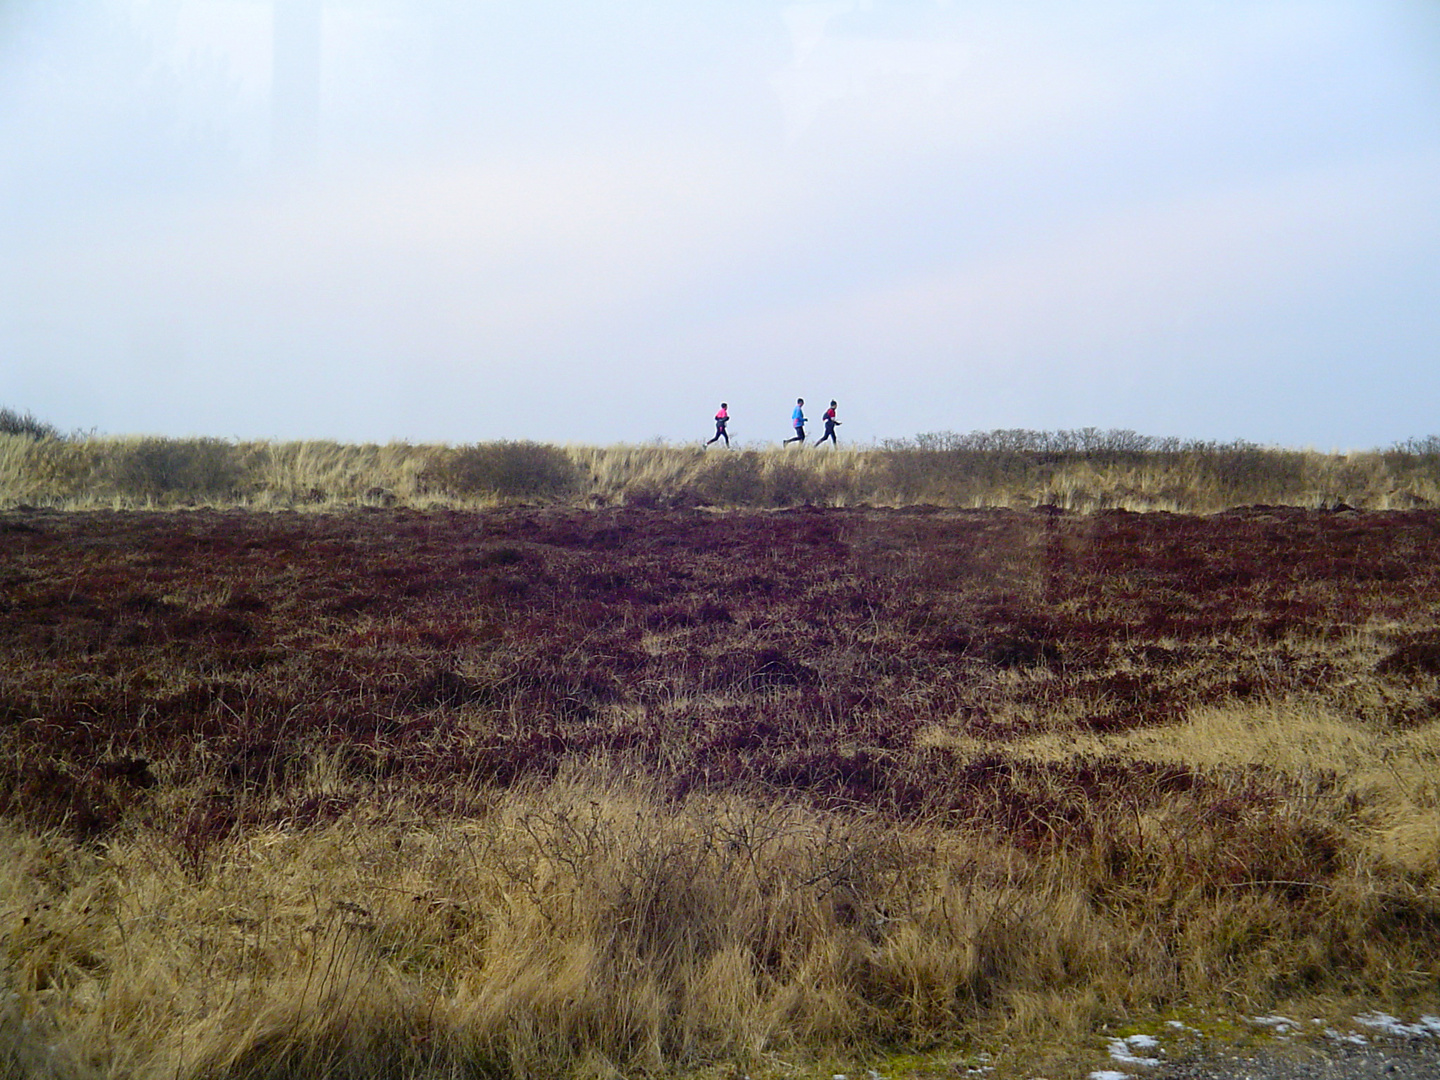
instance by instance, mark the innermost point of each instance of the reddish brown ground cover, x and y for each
(814, 653)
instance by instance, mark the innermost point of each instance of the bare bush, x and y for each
(732, 479)
(162, 469)
(14, 423)
(507, 470)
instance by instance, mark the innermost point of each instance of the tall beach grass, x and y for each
(1072, 470)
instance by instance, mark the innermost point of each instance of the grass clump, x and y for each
(506, 471)
(160, 470)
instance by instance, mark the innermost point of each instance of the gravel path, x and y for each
(1372, 1046)
(1380, 1059)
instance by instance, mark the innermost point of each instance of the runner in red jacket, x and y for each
(830, 425)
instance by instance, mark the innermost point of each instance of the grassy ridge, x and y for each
(1073, 470)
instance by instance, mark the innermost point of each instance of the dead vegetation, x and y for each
(545, 791)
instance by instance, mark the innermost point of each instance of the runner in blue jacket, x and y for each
(797, 421)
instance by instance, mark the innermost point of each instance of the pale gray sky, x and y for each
(457, 220)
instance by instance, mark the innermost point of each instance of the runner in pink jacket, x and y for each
(721, 419)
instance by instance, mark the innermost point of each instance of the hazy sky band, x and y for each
(593, 222)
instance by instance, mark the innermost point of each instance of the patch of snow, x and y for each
(1123, 1050)
(1283, 1025)
(1340, 1036)
(1108, 1074)
(1392, 1025)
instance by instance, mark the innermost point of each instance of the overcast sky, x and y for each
(461, 220)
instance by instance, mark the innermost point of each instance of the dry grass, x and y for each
(549, 792)
(1076, 471)
(1389, 780)
(586, 924)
